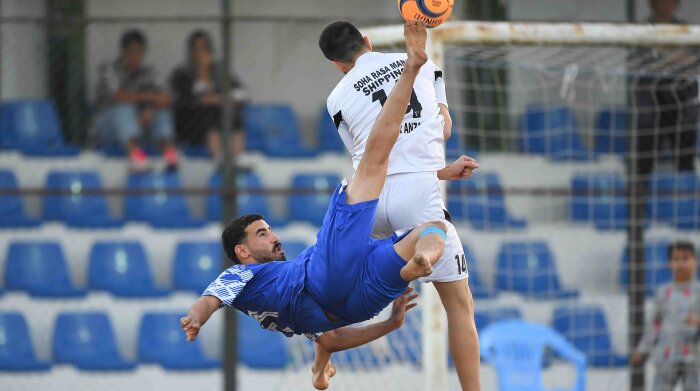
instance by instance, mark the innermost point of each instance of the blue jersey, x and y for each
(346, 273)
(273, 294)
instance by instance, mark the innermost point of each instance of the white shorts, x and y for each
(409, 200)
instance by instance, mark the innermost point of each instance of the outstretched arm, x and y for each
(351, 337)
(371, 173)
(198, 315)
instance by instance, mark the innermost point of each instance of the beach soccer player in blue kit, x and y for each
(346, 277)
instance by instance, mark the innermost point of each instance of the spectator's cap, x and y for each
(132, 36)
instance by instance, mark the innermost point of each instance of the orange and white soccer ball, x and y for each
(432, 12)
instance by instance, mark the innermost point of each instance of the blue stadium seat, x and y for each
(274, 130)
(673, 198)
(487, 317)
(39, 268)
(11, 206)
(311, 207)
(86, 340)
(122, 269)
(247, 203)
(456, 145)
(328, 138)
(195, 151)
(405, 342)
(259, 348)
(162, 341)
(16, 347)
(553, 132)
(599, 197)
(159, 209)
(77, 209)
(517, 348)
(33, 127)
(612, 131)
(528, 268)
(476, 285)
(586, 327)
(656, 265)
(196, 265)
(292, 248)
(481, 202)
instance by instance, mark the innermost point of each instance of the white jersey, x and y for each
(356, 101)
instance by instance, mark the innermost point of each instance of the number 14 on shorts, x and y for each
(461, 263)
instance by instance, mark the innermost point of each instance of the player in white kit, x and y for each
(411, 194)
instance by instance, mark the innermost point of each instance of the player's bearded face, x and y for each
(263, 244)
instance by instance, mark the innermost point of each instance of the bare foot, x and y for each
(321, 379)
(418, 266)
(415, 36)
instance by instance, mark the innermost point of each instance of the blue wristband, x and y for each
(433, 229)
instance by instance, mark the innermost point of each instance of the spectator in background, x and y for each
(198, 89)
(666, 100)
(671, 337)
(132, 107)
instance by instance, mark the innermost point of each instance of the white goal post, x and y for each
(523, 34)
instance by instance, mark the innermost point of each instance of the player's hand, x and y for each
(415, 35)
(190, 327)
(462, 168)
(401, 305)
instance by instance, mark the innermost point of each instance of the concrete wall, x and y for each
(23, 52)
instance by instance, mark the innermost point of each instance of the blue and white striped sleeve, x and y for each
(229, 284)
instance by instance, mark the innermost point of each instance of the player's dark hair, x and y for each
(682, 245)
(234, 234)
(340, 41)
(131, 37)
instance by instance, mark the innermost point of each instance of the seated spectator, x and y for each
(132, 109)
(198, 87)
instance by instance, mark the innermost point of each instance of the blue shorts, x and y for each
(350, 274)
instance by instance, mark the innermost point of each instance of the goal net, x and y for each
(587, 139)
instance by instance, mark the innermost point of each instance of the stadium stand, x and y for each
(481, 202)
(476, 285)
(311, 207)
(553, 132)
(259, 348)
(122, 269)
(599, 197)
(274, 130)
(77, 209)
(523, 371)
(86, 340)
(328, 140)
(586, 327)
(528, 268)
(246, 203)
(162, 341)
(40, 269)
(656, 265)
(16, 346)
(674, 200)
(33, 127)
(196, 265)
(12, 214)
(611, 131)
(160, 209)
(486, 317)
